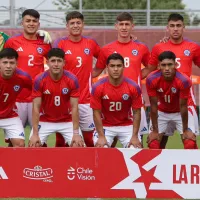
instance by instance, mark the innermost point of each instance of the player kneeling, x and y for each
(168, 91)
(112, 99)
(12, 81)
(56, 92)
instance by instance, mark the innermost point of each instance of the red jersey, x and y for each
(79, 61)
(135, 54)
(186, 52)
(115, 102)
(168, 93)
(56, 96)
(10, 89)
(31, 58)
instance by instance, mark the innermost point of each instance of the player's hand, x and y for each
(133, 37)
(45, 35)
(101, 142)
(164, 39)
(188, 134)
(135, 142)
(34, 141)
(153, 136)
(77, 141)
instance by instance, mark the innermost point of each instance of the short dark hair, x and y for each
(74, 15)
(8, 53)
(124, 16)
(167, 55)
(175, 17)
(57, 52)
(31, 12)
(115, 56)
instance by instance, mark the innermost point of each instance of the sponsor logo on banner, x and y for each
(80, 173)
(3, 174)
(186, 174)
(38, 173)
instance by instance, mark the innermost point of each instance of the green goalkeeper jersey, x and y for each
(3, 38)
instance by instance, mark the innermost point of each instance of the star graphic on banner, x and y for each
(135, 160)
(147, 177)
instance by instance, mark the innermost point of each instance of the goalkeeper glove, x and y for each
(45, 35)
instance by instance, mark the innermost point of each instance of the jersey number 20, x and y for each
(115, 106)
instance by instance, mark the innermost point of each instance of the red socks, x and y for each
(190, 144)
(154, 144)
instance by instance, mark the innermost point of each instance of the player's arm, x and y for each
(184, 94)
(100, 65)
(96, 72)
(152, 64)
(136, 125)
(154, 135)
(77, 140)
(101, 142)
(34, 139)
(184, 113)
(147, 70)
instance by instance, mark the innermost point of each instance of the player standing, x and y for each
(12, 81)
(186, 52)
(112, 99)
(135, 54)
(54, 91)
(168, 91)
(32, 50)
(79, 54)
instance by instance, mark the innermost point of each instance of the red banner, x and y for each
(95, 172)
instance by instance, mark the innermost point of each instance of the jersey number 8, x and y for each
(57, 100)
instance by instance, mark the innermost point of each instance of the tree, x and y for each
(108, 18)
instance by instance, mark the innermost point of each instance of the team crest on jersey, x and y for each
(16, 88)
(173, 90)
(187, 52)
(65, 90)
(125, 96)
(39, 50)
(87, 51)
(135, 52)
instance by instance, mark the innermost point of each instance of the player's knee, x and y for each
(88, 138)
(18, 143)
(190, 144)
(154, 144)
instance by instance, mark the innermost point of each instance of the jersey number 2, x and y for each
(31, 57)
